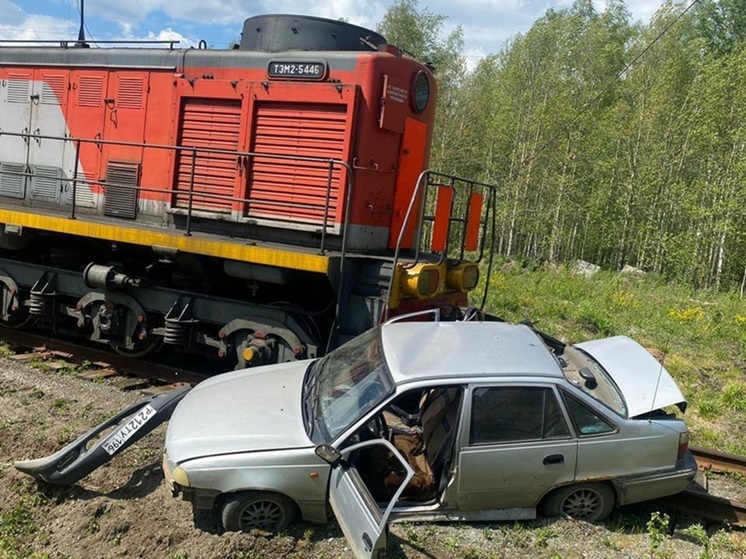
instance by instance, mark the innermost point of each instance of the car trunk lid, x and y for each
(644, 382)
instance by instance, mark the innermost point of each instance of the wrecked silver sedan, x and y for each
(436, 421)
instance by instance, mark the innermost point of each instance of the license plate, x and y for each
(121, 435)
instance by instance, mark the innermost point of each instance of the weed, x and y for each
(542, 536)
(411, 534)
(657, 528)
(5, 350)
(452, 542)
(471, 552)
(17, 525)
(60, 405)
(700, 535)
(734, 395)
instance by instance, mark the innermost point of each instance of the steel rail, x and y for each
(134, 366)
(699, 504)
(717, 461)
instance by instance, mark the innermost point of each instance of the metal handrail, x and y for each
(193, 153)
(487, 223)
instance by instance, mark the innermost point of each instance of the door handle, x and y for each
(554, 459)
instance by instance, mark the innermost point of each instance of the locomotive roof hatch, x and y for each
(282, 32)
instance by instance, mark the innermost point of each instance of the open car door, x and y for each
(358, 514)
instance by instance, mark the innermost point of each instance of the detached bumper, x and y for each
(644, 488)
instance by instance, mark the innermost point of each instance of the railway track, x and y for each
(696, 503)
(108, 363)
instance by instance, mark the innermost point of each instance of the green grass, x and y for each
(700, 334)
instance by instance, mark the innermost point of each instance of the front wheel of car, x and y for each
(592, 502)
(256, 509)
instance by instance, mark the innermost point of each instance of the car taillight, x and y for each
(683, 444)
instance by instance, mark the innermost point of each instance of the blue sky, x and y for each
(487, 24)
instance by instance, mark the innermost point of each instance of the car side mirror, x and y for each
(328, 454)
(589, 377)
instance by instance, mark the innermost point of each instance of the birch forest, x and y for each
(611, 141)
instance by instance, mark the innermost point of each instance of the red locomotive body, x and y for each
(262, 203)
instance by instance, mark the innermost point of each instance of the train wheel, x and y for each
(140, 349)
(14, 315)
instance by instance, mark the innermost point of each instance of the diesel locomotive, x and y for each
(257, 204)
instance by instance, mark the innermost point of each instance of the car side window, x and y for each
(586, 421)
(515, 413)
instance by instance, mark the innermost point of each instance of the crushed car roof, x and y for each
(416, 350)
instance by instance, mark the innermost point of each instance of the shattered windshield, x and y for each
(349, 382)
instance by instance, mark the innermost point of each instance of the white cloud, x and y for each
(36, 28)
(487, 24)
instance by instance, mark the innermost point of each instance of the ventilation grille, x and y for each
(53, 89)
(120, 198)
(297, 189)
(210, 124)
(12, 180)
(130, 93)
(84, 190)
(45, 183)
(91, 91)
(19, 88)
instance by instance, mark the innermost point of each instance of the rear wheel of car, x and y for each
(592, 502)
(256, 509)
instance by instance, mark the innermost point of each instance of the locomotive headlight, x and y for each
(421, 92)
(463, 277)
(422, 281)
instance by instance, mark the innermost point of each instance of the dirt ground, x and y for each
(124, 510)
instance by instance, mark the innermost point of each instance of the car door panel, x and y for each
(359, 516)
(513, 475)
(515, 445)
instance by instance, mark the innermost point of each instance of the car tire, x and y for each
(591, 502)
(258, 509)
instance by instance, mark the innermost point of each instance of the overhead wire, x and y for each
(608, 86)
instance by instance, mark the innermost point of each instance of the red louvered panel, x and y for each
(290, 189)
(208, 124)
(91, 91)
(130, 92)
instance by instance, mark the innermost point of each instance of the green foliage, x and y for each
(615, 143)
(657, 528)
(16, 527)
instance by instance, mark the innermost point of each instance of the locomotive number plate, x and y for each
(297, 69)
(120, 436)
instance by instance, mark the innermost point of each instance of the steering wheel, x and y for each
(376, 428)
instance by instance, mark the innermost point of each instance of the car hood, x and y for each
(645, 383)
(241, 411)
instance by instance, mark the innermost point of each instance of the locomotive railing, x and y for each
(192, 153)
(447, 220)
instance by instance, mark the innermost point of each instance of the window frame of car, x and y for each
(467, 415)
(319, 430)
(590, 403)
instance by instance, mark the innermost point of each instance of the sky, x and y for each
(487, 24)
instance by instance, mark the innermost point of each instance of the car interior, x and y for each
(422, 425)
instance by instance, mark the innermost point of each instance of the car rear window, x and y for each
(604, 390)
